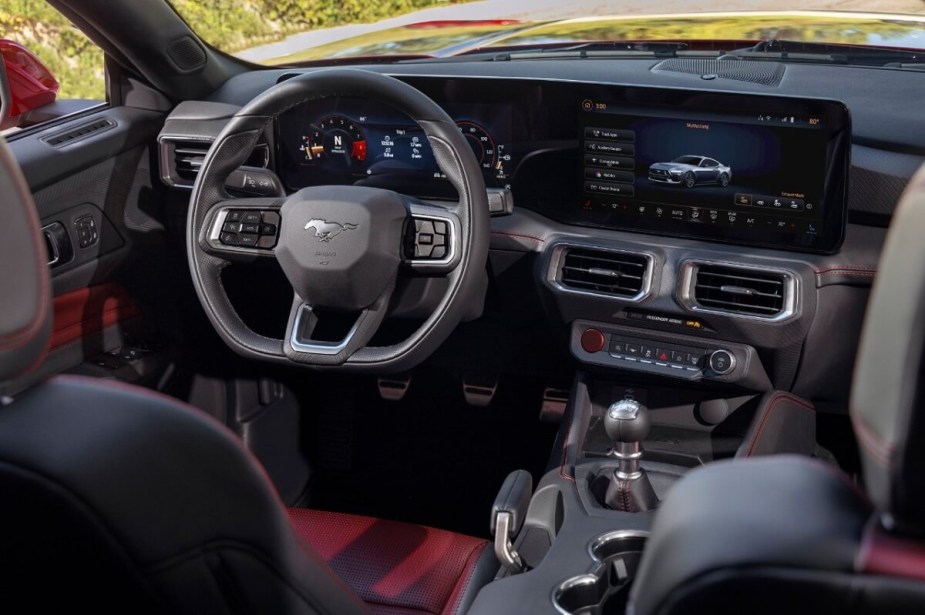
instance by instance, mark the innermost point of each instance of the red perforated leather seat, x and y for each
(398, 568)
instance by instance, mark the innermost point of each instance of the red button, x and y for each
(592, 340)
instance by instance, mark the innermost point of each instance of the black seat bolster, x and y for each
(168, 490)
(774, 512)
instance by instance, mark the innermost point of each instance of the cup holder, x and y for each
(604, 589)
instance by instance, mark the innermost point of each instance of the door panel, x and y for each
(99, 200)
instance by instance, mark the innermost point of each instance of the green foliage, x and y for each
(66, 51)
(234, 25)
(230, 25)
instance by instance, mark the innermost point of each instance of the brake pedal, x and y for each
(394, 387)
(479, 389)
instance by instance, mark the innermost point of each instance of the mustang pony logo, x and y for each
(326, 231)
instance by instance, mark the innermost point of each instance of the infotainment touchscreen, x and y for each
(761, 171)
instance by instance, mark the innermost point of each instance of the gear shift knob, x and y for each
(626, 420)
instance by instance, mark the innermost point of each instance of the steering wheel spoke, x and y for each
(243, 227)
(304, 345)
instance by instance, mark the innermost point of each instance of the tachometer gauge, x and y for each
(334, 141)
(483, 146)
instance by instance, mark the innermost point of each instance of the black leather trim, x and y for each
(173, 488)
(778, 511)
(783, 423)
(885, 397)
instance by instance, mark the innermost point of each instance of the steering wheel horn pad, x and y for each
(340, 246)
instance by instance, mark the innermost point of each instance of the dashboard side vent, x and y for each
(763, 73)
(605, 272)
(750, 292)
(187, 159)
(181, 159)
(79, 132)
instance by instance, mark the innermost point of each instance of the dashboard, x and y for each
(556, 137)
(753, 170)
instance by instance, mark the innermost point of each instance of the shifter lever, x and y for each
(627, 425)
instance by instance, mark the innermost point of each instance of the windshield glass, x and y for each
(687, 160)
(293, 32)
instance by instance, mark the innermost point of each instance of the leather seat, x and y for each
(116, 498)
(793, 535)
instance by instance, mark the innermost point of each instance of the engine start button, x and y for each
(592, 340)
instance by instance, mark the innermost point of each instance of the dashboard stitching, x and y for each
(781, 397)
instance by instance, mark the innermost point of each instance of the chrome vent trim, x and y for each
(740, 291)
(597, 271)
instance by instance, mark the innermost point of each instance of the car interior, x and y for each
(463, 336)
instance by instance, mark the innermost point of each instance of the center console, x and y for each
(621, 449)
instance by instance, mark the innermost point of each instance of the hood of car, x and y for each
(672, 166)
(699, 31)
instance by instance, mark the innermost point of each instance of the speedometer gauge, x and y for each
(335, 141)
(483, 146)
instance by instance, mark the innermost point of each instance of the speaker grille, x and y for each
(764, 73)
(186, 53)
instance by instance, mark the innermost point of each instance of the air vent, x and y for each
(181, 159)
(605, 272)
(743, 291)
(79, 132)
(764, 73)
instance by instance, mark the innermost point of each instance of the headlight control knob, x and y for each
(722, 362)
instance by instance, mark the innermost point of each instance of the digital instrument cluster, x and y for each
(356, 141)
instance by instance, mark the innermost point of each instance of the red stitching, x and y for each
(767, 416)
(562, 465)
(867, 274)
(506, 234)
(872, 442)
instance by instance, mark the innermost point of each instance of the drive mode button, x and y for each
(606, 188)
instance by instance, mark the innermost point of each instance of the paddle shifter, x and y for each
(627, 424)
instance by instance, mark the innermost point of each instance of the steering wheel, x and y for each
(342, 248)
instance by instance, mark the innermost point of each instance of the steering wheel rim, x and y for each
(468, 221)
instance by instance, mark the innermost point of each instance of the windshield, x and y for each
(687, 160)
(293, 32)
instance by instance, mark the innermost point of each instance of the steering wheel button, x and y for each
(270, 217)
(438, 252)
(229, 239)
(233, 216)
(247, 240)
(267, 229)
(423, 251)
(250, 217)
(232, 227)
(425, 239)
(250, 228)
(440, 228)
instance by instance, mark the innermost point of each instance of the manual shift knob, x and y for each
(626, 420)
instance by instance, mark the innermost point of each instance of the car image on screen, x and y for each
(690, 170)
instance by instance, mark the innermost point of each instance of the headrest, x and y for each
(25, 284)
(889, 381)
